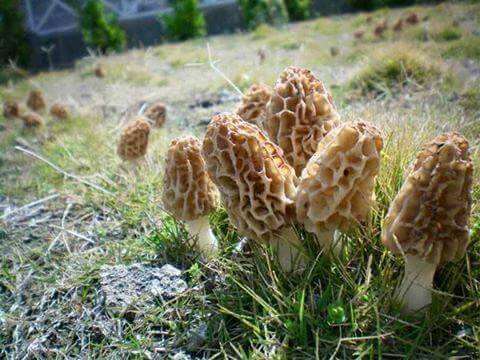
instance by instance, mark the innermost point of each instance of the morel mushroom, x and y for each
(36, 101)
(133, 143)
(336, 186)
(59, 111)
(11, 109)
(32, 120)
(299, 115)
(157, 112)
(428, 221)
(189, 193)
(256, 184)
(254, 103)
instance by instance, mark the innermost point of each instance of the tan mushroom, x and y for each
(188, 192)
(157, 112)
(428, 221)
(32, 120)
(336, 186)
(59, 111)
(254, 103)
(299, 115)
(11, 109)
(133, 143)
(99, 71)
(256, 184)
(36, 101)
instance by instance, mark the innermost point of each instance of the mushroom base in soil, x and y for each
(202, 236)
(289, 250)
(415, 291)
(330, 240)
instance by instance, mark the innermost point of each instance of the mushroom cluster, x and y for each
(303, 167)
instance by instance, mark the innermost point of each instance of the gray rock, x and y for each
(138, 285)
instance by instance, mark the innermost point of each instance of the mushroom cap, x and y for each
(300, 113)
(32, 120)
(134, 139)
(188, 191)
(429, 217)
(59, 111)
(256, 183)
(157, 112)
(11, 109)
(254, 104)
(36, 101)
(99, 71)
(336, 186)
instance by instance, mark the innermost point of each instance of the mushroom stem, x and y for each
(415, 290)
(289, 250)
(330, 240)
(202, 236)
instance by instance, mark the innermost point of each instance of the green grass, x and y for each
(395, 67)
(448, 33)
(339, 307)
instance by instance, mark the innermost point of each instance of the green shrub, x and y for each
(100, 30)
(298, 9)
(256, 12)
(13, 40)
(393, 68)
(373, 4)
(186, 21)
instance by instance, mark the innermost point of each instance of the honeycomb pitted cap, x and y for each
(300, 113)
(11, 109)
(336, 186)
(32, 120)
(188, 191)
(59, 111)
(256, 184)
(429, 217)
(157, 112)
(133, 142)
(36, 101)
(254, 104)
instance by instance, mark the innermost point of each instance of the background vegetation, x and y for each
(186, 20)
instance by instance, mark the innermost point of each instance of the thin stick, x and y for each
(37, 202)
(218, 71)
(74, 233)
(63, 172)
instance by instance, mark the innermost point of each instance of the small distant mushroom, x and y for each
(59, 111)
(428, 221)
(11, 109)
(334, 51)
(36, 101)
(369, 19)
(262, 55)
(157, 112)
(412, 19)
(359, 34)
(189, 193)
(99, 71)
(133, 143)
(256, 184)
(380, 28)
(254, 103)
(398, 25)
(336, 186)
(300, 113)
(32, 120)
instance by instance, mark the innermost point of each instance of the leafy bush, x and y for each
(298, 9)
(256, 12)
(393, 68)
(186, 21)
(100, 29)
(13, 40)
(372, 4)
